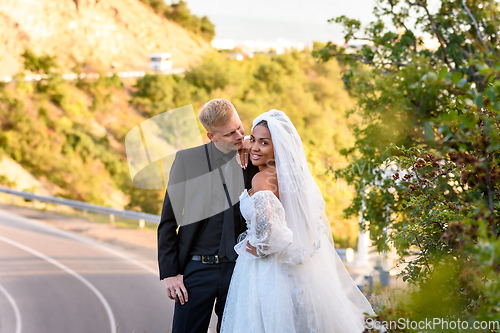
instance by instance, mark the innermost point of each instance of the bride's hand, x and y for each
(251, 249)
(244, 152)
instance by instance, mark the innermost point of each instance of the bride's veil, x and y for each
(318, 268)
(299, 193)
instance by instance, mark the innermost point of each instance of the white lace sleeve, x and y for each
(270, 233)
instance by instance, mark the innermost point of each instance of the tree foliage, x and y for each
(180, 13)
(434, 114)
(47, 127)
(38, 64)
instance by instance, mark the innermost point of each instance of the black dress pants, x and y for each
(205, 284)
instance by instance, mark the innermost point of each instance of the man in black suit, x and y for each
(201, 220)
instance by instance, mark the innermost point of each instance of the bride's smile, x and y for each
(261, 149)
(256, 157)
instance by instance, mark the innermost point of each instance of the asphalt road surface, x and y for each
(58, 282)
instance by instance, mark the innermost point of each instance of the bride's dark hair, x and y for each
(263, 123)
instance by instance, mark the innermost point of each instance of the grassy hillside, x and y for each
(72, 133)
(102, 35)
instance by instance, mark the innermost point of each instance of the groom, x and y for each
(201, 220)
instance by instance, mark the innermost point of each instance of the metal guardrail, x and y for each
(85, 207)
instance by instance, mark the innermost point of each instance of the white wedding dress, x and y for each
(267, 295)
(298, 284)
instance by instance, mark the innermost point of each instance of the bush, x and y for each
(38, 64)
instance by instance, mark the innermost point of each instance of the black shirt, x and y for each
(210, 235)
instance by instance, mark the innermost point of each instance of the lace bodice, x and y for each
(266, 224)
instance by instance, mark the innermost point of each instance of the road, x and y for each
(59, 282)
(54, 281)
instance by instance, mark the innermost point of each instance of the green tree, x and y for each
(435, 115)
(214, 73)
(38, 64)
(153, 94)
(207, 29)
(180, 13)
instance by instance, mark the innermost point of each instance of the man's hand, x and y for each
(175, 289)
(244, 152)
(252, 249)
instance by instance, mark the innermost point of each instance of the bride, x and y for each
(288, 276)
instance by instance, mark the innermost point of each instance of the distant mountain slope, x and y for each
(105, 34)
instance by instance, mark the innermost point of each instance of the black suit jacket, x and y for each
(174, 246)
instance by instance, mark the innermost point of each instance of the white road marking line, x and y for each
(17, 313)
(84, 240)
(109, 312)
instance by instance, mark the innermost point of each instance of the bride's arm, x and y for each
(271, 232)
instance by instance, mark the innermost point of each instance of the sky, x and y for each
(268, 20)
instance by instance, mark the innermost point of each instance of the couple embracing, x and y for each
(243, 226)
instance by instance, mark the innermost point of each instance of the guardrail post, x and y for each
(12, 199)
(84, 213)
(32, 203)
(111, 219)
(57, 208)
(141, 224)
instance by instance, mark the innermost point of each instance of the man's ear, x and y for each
(210, 136)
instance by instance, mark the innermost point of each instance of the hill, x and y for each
(102, 35)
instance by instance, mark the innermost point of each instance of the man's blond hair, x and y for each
(216, 112)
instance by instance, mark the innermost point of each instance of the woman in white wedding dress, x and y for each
(288, 276)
